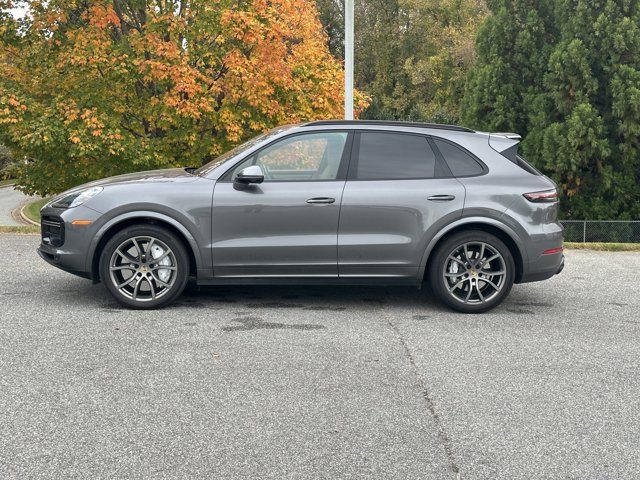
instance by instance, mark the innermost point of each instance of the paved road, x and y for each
(311, 382)
(10, 199)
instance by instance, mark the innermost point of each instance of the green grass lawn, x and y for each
(32, 209)
(21, 230)
(6, 182)
(604, 247)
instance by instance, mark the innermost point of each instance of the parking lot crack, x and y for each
(429, 402)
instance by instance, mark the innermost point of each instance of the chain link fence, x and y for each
(607, 231)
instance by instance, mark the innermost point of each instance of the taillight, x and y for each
(547, 196)
(553, 251)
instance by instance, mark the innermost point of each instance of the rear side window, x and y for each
(460, 162)
(394, 156)
(522, 163)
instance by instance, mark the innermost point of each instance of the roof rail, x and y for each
(390, 123)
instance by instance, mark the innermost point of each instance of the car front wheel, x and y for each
(472, 272)
(144, 267)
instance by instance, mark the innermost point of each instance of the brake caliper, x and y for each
(163, 273)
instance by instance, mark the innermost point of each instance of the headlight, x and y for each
(77, 198)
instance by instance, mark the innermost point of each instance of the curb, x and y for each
(26, 219)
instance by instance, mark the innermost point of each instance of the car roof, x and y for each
(498, 141)
(387, 123)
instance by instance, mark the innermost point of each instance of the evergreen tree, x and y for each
(567, 77)
(513, 47)
(590, 138)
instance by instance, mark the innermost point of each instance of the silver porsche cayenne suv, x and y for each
(328, 202)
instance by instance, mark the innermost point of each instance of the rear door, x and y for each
(399, 193)
(288, 225)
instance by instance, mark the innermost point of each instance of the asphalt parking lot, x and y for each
(319, 382)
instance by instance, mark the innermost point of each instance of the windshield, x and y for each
(206, 169)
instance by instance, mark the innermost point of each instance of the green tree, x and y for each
(566, 75)
(332, 18)
(588, 137)
(513, 47)
(411, 56)
(6, 162)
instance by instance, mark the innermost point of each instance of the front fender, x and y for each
(188, 233)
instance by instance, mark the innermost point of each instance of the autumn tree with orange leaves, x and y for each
(90, 89)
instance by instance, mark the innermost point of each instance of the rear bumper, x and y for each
(544, 268)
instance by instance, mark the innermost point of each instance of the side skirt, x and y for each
(309, 281)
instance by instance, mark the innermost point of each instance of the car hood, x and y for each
(152, 176)
(169, 175)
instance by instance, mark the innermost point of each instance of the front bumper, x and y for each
(71, 254)
(62, 261)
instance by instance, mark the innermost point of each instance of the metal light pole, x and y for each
(348, 59)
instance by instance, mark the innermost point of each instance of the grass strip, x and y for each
(604, 247)
(20, 230)
(32, 209)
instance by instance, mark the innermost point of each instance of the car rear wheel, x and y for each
(144, 267)
(472, 272)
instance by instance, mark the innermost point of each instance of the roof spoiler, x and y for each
(510, 136)
(505, 144)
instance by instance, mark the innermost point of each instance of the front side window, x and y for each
(307, 157)
(394, 156)
(209, 167)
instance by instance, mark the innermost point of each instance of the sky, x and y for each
(18, 12)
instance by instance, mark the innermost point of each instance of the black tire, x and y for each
(157, 285)
(442, 277)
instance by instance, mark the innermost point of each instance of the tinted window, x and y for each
(522, 163)
(460, 162)
(390, 156)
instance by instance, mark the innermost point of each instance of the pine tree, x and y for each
(513, 46)
(566, 75)
(589, 140)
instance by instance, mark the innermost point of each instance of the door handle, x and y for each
(321, 201)
(441, 198)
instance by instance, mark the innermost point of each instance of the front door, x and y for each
(288, 225)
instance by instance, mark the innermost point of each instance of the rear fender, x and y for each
(470, 221)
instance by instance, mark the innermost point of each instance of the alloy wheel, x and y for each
(143, 268)
(474, 273)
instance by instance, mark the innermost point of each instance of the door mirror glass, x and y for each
(249, 175)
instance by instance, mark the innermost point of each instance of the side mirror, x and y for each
(249, 175)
